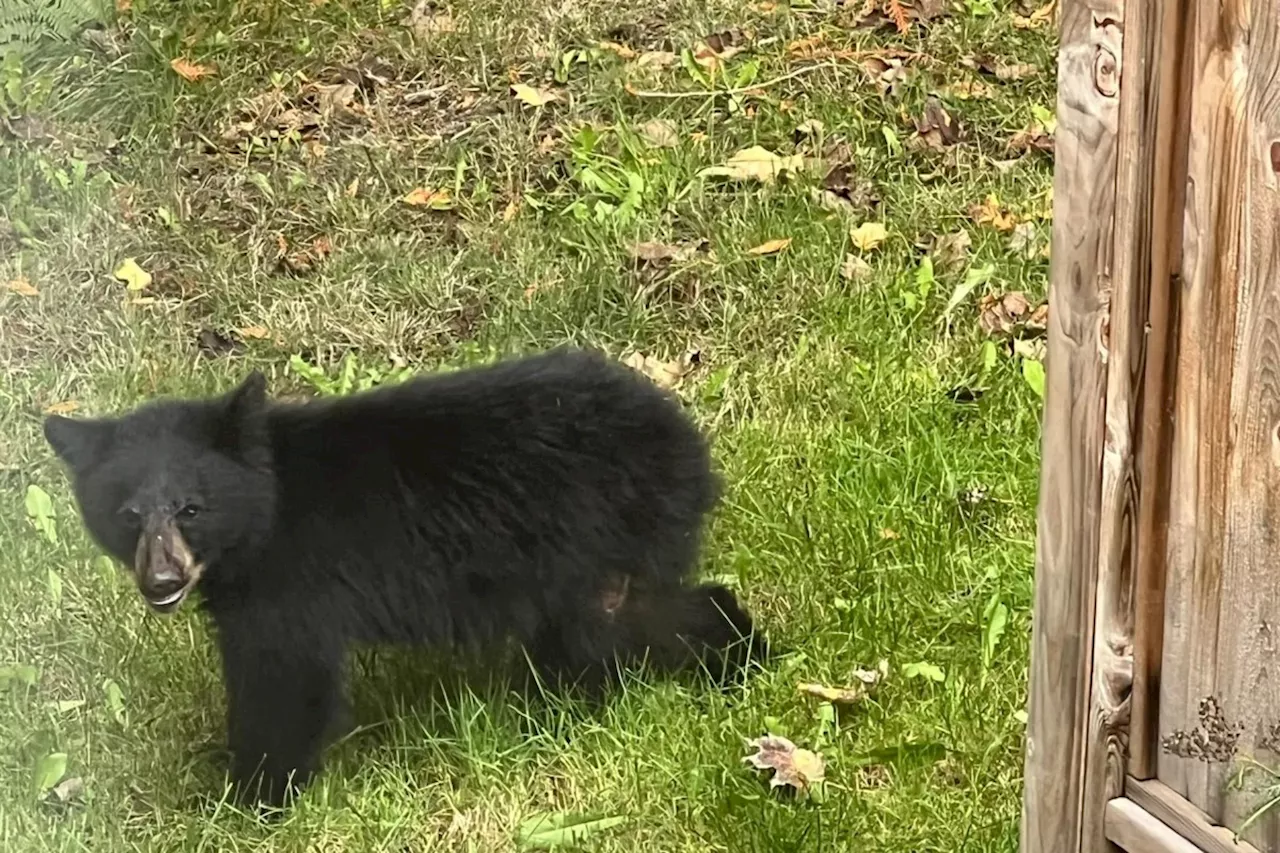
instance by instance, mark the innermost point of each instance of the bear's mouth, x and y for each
(164, 566)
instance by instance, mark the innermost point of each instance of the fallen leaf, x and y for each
(428, 19)
(951, 251)
(755, 164)
(666, 374)
(718, 47)
(67, 790)
(1036, 19)
(254, 332)
(1029, 348)
(1033, 373)
(990, 212)
(889, 533)
(334, 98)
(190, 71)
(656, 59)
(660, 133)
(49, 771)
(799, 768)
(21, 286)
(1003, 71)
(810, 127)
(620, 50)
(66, 407)
(549, 831)
(533, 97)
(509, 212)
(1034, 136)
(1023, 240)
(134, 276)
(854, 268)
(888, 73)
(426, 197)
(770, 247)
(937, 128)
(653, 252)
(1003, 313)
(211, 343)
(868, 235)
(967, 89)
(836, 695)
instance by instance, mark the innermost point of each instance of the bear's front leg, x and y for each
(283, 693)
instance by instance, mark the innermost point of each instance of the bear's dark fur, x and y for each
(557, 499)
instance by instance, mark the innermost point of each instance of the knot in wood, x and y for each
(1106, 73)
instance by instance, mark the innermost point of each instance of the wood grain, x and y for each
(1178, 814)
(1166, 86)
(1135, 831)
(1067, 546)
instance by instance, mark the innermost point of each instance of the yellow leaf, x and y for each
(667, 374)
(66, 407)
(424, 197)
(869, 235)
(190, 71)
(838, 695)
(772, 247)
(533, 97)
(755, 164)
(991, 213)
(257, 332)
(134, 276)
(621, 50)
(21, 286)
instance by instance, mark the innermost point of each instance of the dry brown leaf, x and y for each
(968, 89)
(755, 164)
(254, 332)
(990, 212)
(867, 678)
(656, 59)
(1003, 71)
(937, 128)
(951, 251)
(427, 197)
(65, 407)
(854, 268)
(660, 133)
(21, 286)
(1036, 19)
(1023, 240)
(887, 71)
(190, 71)
(620, 50)
(665, 374)
(656, 253)
(719, 47)
(428, 19)
(1033, 137)
(799, 768)
(1011, 314)
(509, 212)
(124, 6)
(770, 247)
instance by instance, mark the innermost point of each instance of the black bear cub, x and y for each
(558, 499)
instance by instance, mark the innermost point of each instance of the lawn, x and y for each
(825, 225)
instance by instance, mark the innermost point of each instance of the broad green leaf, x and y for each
(115, 699)
(49, 771)
(923, 670)
(1033, 372)
(40, 511)
(19, 672)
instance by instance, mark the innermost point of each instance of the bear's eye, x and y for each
(188, 512)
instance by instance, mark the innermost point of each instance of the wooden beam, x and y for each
(1135, 831)
(1166, 83)
(1178, 814)
(1056, 812)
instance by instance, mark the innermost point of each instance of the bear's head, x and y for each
(174, 486)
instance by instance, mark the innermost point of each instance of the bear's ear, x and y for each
(242, 421)
(79, 443)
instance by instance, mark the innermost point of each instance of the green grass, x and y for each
(871, 511)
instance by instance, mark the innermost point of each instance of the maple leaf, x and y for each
(799, 768)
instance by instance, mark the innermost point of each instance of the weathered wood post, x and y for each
(1158, 553)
